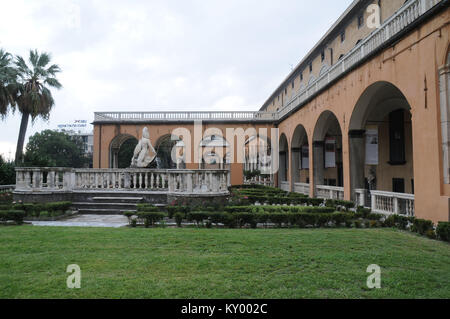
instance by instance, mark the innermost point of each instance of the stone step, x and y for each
(116, 206)
(105, 199)
(97, 211)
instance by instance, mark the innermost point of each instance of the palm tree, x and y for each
(7, 83)
(34, 97)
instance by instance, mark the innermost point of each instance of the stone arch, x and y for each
(214, 150)
(444, 102)
(300, 156)
(327, 151)
(115, 148)
(166, 152)
(380, 141)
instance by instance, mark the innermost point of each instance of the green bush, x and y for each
(422, 226)
(178, 218)
(443, 231)
(16, 215)
(34, 209)
(44, 214)
(431, 234)
(172, 209)
(129, 215)
(198, 217)
(150, 218)
(339, 203)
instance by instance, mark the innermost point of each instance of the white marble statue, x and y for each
(144, 153)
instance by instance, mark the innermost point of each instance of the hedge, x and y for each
(443, 231)
(279, 209)
(15, 215)
(422, 226)
(34, 209)
(150, 218)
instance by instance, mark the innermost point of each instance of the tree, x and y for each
(55, 149)
(7, 172)
(34, 97)
(7, 83)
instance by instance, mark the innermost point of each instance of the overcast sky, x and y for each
(161, 55)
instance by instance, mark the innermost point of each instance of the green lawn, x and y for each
(220, 263)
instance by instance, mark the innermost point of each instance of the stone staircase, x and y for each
(109, 204)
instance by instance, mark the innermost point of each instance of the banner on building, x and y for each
(372, 147)
(330, 152)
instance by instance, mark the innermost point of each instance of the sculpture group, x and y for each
(144, 153)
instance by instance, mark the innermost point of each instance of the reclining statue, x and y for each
(144, 153)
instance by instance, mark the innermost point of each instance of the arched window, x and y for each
(444, 88)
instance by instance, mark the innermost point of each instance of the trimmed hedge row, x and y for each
(147, 208)
(279, 209)
(242, 219)
(443, 231)
(35, 209)
(16, 215)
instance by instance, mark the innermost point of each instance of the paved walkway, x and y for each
(114, 221)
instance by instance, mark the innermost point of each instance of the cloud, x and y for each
(147, 55)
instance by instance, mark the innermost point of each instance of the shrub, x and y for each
(16, 215)
(198, 217)
(363, 212)
(150, 218)
(178, 218)
(422, 226)
(347, 205)
(44, 214)
(430, 233)
(133, 223)
(443, 231)
(129, 215)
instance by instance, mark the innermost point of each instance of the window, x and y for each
(398, 185)
(360, 21)
(285, 91)
(293, 84)
(322, 55)
(310, 67)
(301, 76)
(342, 36)
(397, 138)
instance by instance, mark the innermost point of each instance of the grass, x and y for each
(220, 263)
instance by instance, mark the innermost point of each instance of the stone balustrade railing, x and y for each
(301, 188)
(260, 180)
(392, 203)
(171, 181)
(185, 116)
(329, 192)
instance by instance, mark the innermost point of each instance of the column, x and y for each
(356, 139)
(319, 164)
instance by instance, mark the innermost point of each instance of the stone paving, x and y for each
(114, 221)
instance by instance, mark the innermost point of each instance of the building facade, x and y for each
(363, 117)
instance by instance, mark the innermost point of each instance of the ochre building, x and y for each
(364, 117)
